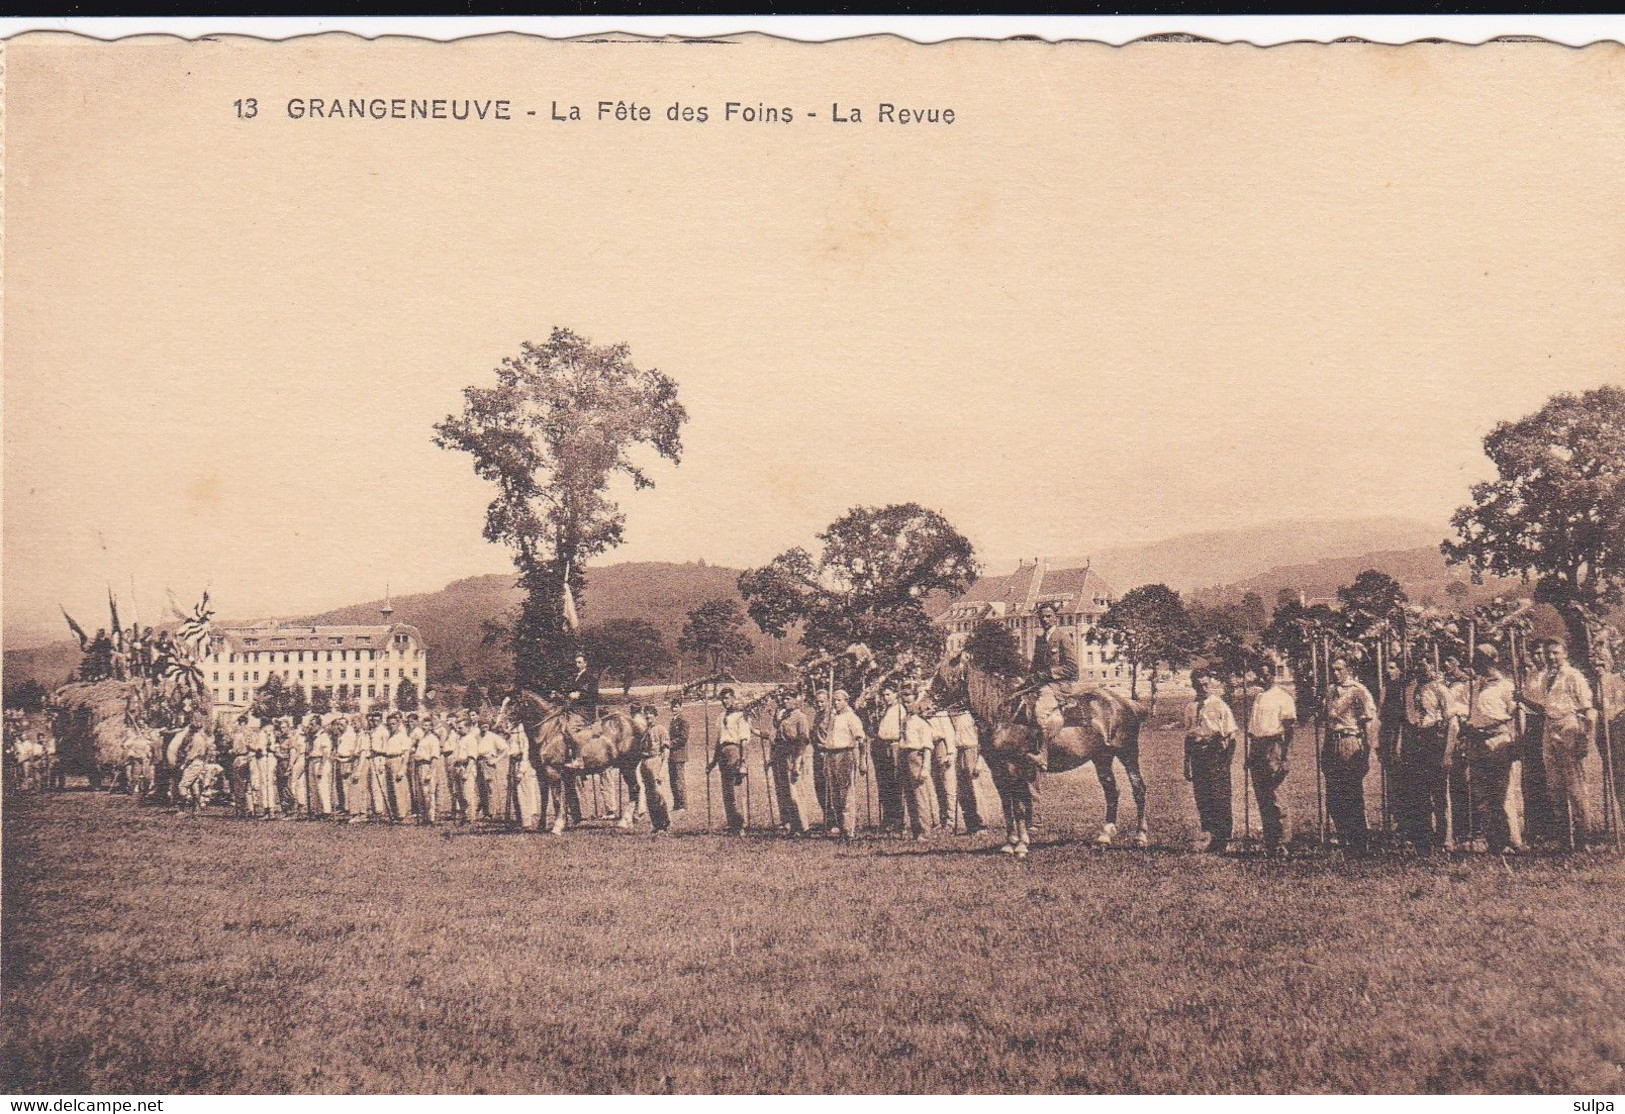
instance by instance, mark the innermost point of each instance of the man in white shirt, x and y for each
(351, 762)
(733, 744)
(1270, 726)
(890, 782)
(843, 760)
(1489, 738)
(466, 766)
(1569, 709)
(1210, 747)
(913, 766)
(1351, 718)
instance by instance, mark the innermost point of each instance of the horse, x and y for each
(610, 744)
(1099, 727)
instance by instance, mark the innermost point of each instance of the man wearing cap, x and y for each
(1055, 675)
(1351, 717)
(1569, 712)
(844, 759)
(1490, 740)
(1271, 723)
(652, 768)
(792, 766)
(677, 761)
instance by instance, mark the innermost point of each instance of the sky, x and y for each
(1127, 294)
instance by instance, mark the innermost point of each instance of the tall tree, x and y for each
(1251, 612)
(1292, 633)
(1151, 630)
(869, 584)
(321, 700)
(563, 420)
(714, 633)
(1555, 513)
(406, 695)
(993, 647)
(627, 650)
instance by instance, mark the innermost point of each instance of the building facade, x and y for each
(360, 665)
(1081, 598)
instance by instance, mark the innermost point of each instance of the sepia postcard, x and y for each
(654, 564)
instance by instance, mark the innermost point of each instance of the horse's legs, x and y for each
(1108, 786)
(1131, 763)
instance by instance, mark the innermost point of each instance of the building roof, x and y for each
(1074, 589)
(274, 636)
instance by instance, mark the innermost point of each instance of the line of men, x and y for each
(925, 761)
(459, 766)
(31, 764)
(1448, 742)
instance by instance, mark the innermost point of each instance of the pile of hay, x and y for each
(91, 718)
(90, 721)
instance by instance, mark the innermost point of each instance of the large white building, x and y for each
(1080, 596)
(366, 664)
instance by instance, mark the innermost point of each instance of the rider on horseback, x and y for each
(1054, 680)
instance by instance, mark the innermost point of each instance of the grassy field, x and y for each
(145, 952)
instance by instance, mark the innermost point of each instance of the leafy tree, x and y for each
(627, 649)
(562, 421)
(26, 695)
(878, 567)
(1292, 633)
(1151, 629)
(993, 647)
(271, 700)
(321, 701)
(1371, 604)
(1457, 592)
(406, 695)
(295, 703)
(1555, 513)
(1225, 640)
(714, 632)
(474, 697)
(451, 674)
(1251, 612)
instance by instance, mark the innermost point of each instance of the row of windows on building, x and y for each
(343, 675)
(341, 693)
(252, 657)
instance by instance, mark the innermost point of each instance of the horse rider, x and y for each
(1054, 679)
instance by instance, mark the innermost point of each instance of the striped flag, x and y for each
(194, 628)
(571, 619)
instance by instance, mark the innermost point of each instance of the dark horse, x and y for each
(609, 744)
(1100, 727)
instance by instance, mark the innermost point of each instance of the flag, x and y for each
(194, 628)
(571, 619)
(78, 631)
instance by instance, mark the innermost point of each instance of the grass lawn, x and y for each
(145, 952)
